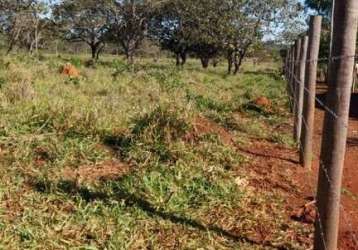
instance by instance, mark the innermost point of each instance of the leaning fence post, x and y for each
(310, 91)
(299, 91)
(336, 124)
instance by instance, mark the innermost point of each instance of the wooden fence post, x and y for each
(292, 74)
(306, 155)
(287, 61)
(295, 83)
(336, 124)
(299, 91)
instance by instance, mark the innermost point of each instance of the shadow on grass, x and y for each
(270, 156)
(132, 200)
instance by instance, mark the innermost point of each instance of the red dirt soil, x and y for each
(278, 169)
(349, 210)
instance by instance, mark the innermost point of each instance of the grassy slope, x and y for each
(175, 195)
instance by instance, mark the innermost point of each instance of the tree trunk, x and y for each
(130, 57)
(183, 58)
(177, 59)
(205, 62)
(99, 51)
(11, 46)
(229, 61)
(215, 62)
(238, 63)
(94, 51)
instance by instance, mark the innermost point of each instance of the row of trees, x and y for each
(206, 29)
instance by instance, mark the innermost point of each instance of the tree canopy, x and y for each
(199, 28)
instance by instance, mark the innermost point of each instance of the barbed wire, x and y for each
(292, 76)
(326, 59)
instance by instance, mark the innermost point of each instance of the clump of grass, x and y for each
(19, 91)
(152, 136)
(75, 61)
(205, 103)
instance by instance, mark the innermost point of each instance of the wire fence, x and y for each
(291, 75)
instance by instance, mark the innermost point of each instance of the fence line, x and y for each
(349, 222)
(301, 74)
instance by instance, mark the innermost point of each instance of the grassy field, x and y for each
(141, 157)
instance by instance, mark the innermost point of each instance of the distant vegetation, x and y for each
(206, 30)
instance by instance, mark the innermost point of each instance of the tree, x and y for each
(323, 7)
(84, 21)
(208, 25)
(23, 23)
(169, 27)
(129, 24)
(183, 26)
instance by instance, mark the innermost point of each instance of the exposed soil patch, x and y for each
(276, 169)
(203, 126)
(110, 170)
(273, 169)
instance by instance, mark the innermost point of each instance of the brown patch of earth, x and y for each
(275, 168)
(278, 169)
(203, 126)
(110, 170)
(348, 231)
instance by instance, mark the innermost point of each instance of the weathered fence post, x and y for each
(292, 74)
(336, 124)
(295, 84)
(287, 61)
(310, 93)
(299, 91)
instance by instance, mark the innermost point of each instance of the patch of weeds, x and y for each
(216, 157)
(204, 103)
(167, 79)
(75, 61)
(120, 67)
(151, 137)
(282, 138)
(73, 80)
(163, 123)
(2, 82)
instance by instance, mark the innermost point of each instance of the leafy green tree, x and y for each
(169, 26)
(84, 21)
(128, 24)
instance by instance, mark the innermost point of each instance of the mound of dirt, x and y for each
(263, 102)
(70, 70)
(91, 174)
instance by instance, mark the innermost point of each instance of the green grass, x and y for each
(176, 195)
